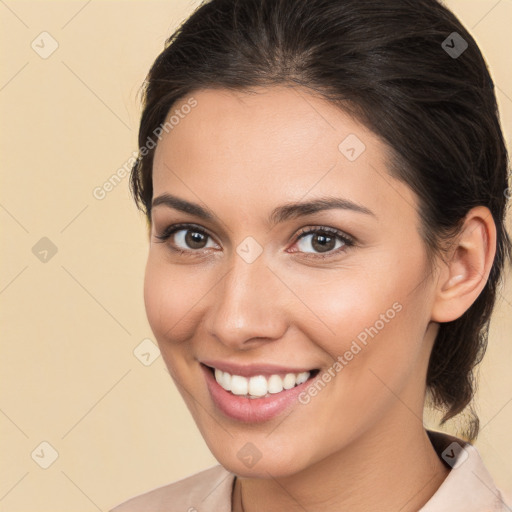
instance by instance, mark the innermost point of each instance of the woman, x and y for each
(325, 183)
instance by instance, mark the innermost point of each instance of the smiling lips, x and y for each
(259, 385)
(257, 381)
(257, 393)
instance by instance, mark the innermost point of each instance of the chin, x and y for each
(250, 459)
(262, 469)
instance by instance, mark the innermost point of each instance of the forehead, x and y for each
(270, 146)
(285, 123)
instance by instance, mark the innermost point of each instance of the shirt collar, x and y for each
(468, 486)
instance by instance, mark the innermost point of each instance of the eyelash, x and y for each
(347, 241)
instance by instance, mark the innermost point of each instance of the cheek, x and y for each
(169, 299)
(157, 297)
(375, 321)
(344, 304)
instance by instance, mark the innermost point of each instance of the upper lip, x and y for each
(250, 370)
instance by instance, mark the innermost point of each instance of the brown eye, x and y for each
(324, 242)
(191, 239)
(195, 239)
(319, 242)
(186, 238)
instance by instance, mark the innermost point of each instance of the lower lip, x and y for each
(251, 410)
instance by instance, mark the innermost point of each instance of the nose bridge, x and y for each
(246, 303)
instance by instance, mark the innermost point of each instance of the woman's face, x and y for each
(245, 287)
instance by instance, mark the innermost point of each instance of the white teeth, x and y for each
(275, 384)
(302, 377)
(258, 386)
(239, 385)
(224, 379)
(289, 381)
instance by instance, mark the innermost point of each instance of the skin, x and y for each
(360, 444)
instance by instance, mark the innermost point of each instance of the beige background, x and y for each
(70, 324)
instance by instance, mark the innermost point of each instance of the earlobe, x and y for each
(466, 270)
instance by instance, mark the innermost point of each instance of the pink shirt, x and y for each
(467, 488)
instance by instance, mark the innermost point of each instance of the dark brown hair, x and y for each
(394, 65)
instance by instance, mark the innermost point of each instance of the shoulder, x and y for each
(469, 486)
(207, 490)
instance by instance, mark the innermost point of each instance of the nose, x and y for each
(248, 306)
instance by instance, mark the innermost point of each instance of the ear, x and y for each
(466, 268)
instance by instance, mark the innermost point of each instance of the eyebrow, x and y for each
(279, 214)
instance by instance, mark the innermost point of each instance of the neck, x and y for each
(391, 468)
